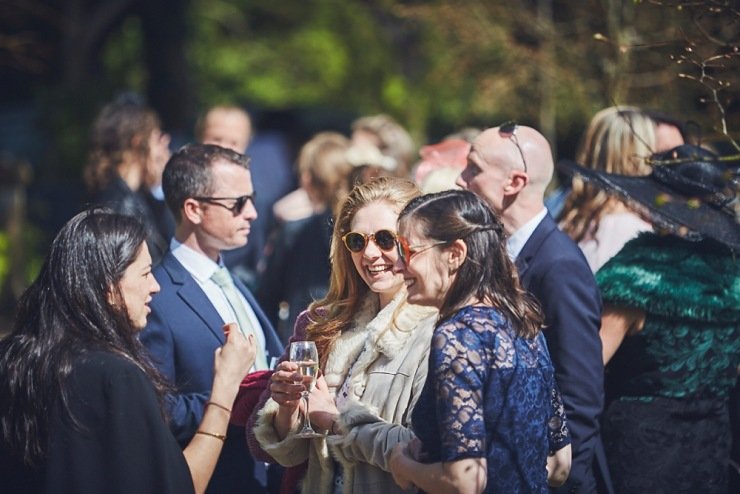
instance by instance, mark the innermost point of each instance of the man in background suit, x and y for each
(510, 167)
(230, 126)
(209, 190)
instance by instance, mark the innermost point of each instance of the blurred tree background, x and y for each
(436, 66)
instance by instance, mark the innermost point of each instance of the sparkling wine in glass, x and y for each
(304, 354)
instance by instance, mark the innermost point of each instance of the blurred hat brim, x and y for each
(666, 208)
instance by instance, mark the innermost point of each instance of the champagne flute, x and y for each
(304, 354)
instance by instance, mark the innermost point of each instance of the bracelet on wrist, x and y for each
(225, 409)
(222, 437)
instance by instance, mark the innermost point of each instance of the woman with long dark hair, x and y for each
(81, 407)
(490, 418)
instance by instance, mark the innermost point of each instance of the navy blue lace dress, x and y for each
(491, 394)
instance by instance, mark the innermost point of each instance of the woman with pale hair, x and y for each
(372, 348)
(617, 140)
(390, 137)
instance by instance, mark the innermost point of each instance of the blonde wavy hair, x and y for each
(334, 313)
(617, 140)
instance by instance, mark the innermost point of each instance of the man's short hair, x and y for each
(188, 172)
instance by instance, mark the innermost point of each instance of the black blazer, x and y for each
(120, 443)
(553, 269)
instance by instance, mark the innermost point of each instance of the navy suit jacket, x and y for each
(552, 268)
(182, 334)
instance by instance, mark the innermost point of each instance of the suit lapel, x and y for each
(532, 246)
(193, 296)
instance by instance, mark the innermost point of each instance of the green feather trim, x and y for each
(673, 277)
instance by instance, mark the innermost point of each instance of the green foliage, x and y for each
(305, 60)
(122, 56)
(4, 257)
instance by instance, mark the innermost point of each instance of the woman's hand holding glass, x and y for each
(305, 355)
(291, 384)
(286, 386)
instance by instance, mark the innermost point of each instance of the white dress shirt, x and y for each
(518, 239)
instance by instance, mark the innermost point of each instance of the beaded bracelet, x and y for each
(227, 410)
(222, 437)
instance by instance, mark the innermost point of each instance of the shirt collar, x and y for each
(518, 239)
(197, 264)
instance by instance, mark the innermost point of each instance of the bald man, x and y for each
(510, 167)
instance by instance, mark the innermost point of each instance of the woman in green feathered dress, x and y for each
(670, 327)
(666, 426)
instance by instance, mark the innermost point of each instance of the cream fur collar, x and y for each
(373, 334)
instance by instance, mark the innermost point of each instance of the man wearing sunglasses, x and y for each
(209, 190)
(510, 167)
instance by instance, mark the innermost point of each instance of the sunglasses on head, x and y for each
(508, 130)
(406, 251)
(236, 208)
(384, 239)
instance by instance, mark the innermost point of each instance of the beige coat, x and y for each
(387, 368)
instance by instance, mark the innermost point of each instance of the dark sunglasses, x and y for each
(384, 239)
(406, 251)
(508, 129)
(236, 208)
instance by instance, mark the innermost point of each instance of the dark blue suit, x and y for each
(552, 268)
(183, 331)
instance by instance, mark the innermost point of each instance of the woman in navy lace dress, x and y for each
(490, 418)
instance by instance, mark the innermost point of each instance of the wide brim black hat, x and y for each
(689, 193)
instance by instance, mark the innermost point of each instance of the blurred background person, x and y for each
(368, 163)
(295, 270)
(227, 126)
(372, 346)
(490, 417)
(126, 149)
(669, 131)
(81, 406)
(389, 137)
(152, 190)
(670, 327)
(617, 140)
(440, 165)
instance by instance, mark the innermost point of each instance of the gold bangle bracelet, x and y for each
(227, 410)
(222, 437)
